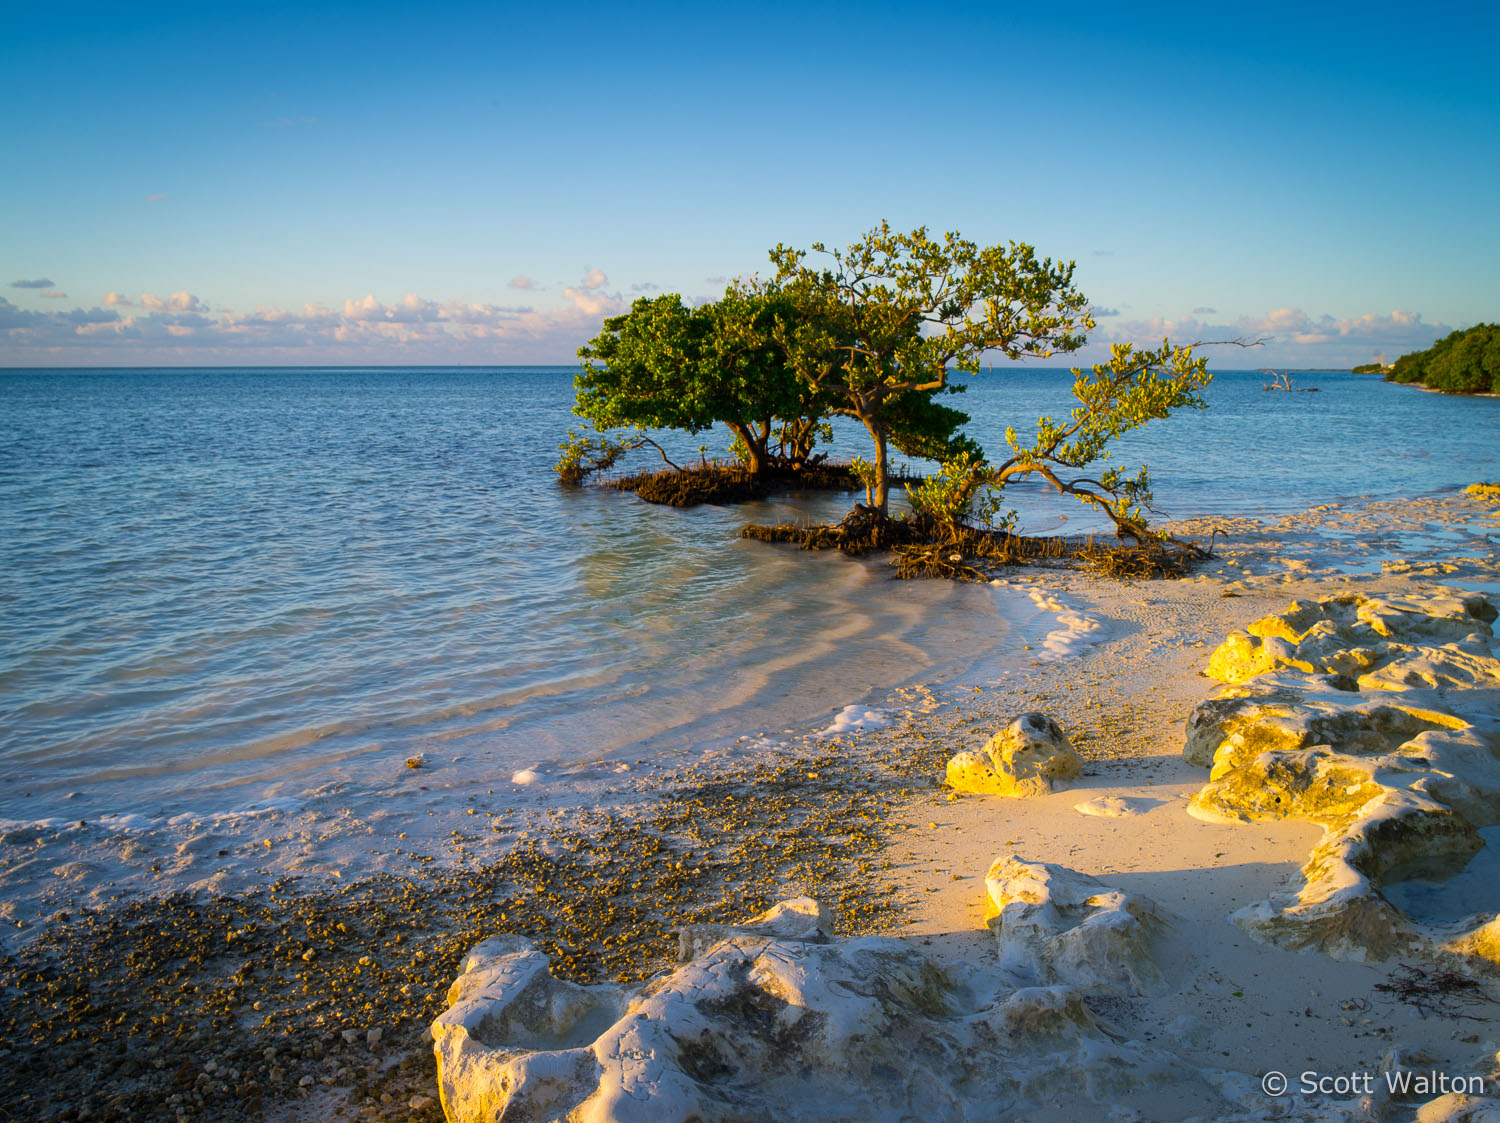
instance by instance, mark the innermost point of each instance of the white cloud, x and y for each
(417, 329)
(177, 302)
(521, 281)
(595, 303)
(156, 198)
(182, 328)
(593, 279)
(1287, 336)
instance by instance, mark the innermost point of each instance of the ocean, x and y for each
(227, 587)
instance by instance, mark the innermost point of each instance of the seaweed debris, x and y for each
(1437, 991)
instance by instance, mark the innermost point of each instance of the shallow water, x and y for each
(1446, 892)
(222, 584)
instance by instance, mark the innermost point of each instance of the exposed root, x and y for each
(718, 482)
(919, 549)
(862, 531)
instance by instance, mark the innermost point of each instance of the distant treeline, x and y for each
(1466, 362)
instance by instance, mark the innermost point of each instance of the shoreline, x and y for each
(843, 818)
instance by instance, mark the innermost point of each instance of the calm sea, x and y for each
(220, 580)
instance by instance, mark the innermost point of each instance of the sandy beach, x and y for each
(311, 998)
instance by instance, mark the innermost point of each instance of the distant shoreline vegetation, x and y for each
(1465, 362)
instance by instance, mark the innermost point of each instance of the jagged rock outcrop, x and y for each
(1439, 640)
(1375, 718)
(1023, 759)
(761, 1027)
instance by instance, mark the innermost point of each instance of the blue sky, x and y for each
(324, 183)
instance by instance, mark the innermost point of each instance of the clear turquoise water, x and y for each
(215, 582)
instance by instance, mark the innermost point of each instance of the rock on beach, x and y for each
(1024, 759)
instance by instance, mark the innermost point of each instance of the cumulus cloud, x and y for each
(43, 283)
(592, 303)
(117, 300)
(177, 302)
(1101, 313)
(593, 279)
(54, 294)
(14, 319)
(156, 198)
(645, 286)
(716, 280)
(521, 281)
(1200, 311)
(1286, 336)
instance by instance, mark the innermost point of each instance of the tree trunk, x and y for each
(881, 492)
(755, 449)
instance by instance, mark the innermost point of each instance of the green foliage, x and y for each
(584, 453)
(1463, 362)
(1367, 368)
(959, 494)
(864, 472)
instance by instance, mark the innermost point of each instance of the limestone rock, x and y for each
(757, 1027)
(1342, 712)
(1023, 759)
(1054, 925)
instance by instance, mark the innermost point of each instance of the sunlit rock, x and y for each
(1440, 639)
(1023, 759)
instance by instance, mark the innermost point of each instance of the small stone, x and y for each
(372, 1038)
(306, 1082)
(419, 1102)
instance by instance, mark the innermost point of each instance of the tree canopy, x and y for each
(1463, 362)
(664, 365)
(893, 314)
